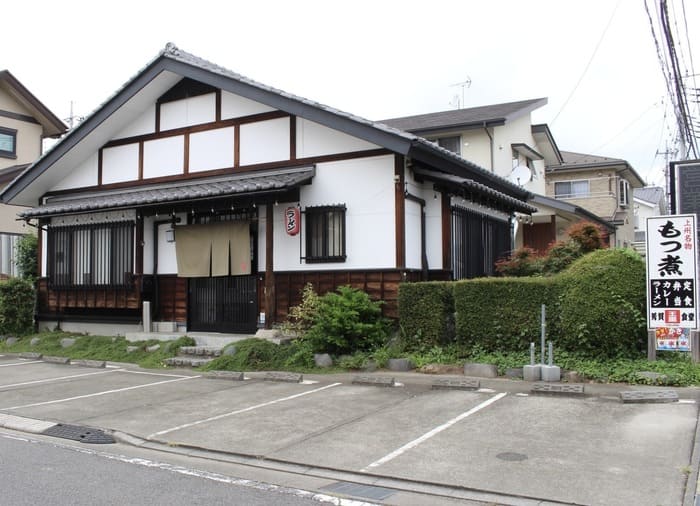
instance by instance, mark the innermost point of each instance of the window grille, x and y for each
(91, 256)
(325, 234)
(477, 242)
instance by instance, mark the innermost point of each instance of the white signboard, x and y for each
(672, 280)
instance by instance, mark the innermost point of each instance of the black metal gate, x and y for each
(223, 304)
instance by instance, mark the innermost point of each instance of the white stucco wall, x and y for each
(120, 163)
(144, 124)
(265, 141)
(189, 111)
(317, 140)
(162, 157)
(211, 149)
(83, 175)
(366, 187)
(234, 106)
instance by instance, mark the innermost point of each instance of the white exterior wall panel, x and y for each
(317, 140)
(234, 106)
(187, 112)
(143, 125)
(120, 163)
(366, 188)
(163, 157)
(265, 141)
(413, 234)
(83, 175)
(212, 149)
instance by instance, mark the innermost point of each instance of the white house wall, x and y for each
(366, 187)
(211, 149)
(413, 235)
(317, 140)
(120, 163)
(163, 157)
(143, 125)
(234, 106)
(189, 111)
(265, 141)
(83, 175)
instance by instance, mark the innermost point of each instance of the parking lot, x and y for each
(589, 449)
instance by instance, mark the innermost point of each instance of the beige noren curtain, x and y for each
(218, 248)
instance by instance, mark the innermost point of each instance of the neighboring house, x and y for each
(648, 202)
(602, 185)
(502, 138)
(216, 198)
(24, 123)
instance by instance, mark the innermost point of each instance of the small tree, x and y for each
(26, 257)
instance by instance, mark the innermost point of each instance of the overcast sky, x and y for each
(594, 60)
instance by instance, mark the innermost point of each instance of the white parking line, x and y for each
(429, 434)
(244, 410)
(55, 379)
(97, 394)
(23, 363)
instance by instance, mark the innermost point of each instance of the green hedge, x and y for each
(603, 304)
(594, 308)
(16, 306)
(426, 313)
(502, 314)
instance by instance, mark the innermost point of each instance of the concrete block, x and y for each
(481, 370)
(30, 354)
(400, 364)
(11, 340)
(379, 381)
(648, 397)
(67, 342)
(323, 360)
(551, 373)
(90, 363)
(532, 372)
(456, 384)
(56, 360)
(229, 375)
(284, 377)
(557, 389)
(34, 341)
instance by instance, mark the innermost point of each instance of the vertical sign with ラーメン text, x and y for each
(672, 280)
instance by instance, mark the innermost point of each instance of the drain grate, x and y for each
(359, 490)
(78, 433)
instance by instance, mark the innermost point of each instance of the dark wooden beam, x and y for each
(269, 266)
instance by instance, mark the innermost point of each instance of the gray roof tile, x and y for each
(252, 182)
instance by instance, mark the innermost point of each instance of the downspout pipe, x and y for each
(486, 129)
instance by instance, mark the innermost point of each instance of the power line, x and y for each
(595, 51)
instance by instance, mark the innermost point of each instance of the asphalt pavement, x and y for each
(353, 436)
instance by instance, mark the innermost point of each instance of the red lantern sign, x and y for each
(292, 220)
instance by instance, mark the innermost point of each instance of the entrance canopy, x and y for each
(249, 183)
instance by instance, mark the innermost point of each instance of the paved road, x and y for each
(497, 444)
(41, 472)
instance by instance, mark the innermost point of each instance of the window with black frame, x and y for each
(8, 142)
(91, 255)
(325, 234)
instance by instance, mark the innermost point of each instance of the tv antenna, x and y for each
(464, 84)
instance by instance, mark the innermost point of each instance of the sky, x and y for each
(594, 60)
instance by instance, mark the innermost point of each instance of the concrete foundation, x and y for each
(532, 372)
(551, 373)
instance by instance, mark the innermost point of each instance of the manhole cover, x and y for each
(512, 456)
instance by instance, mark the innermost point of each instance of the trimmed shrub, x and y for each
(426, 314)
(346, 321)
(521, 262)
(602, 304)
(16, 306)
(502, 314)
(26, 254)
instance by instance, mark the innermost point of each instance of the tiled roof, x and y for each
(255, 182)
(571, 158)
(473, 116)
(653, 194)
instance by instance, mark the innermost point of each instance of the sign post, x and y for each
(672, 274)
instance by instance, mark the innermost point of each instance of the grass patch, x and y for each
(672, 369)
(111, 349)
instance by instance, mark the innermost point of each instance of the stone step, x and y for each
(200, 351)
(187, 361)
